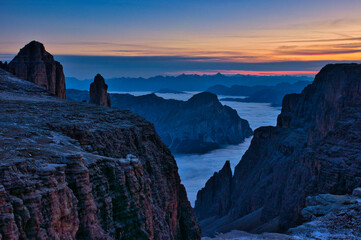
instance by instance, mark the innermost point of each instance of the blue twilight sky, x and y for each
(206, 31)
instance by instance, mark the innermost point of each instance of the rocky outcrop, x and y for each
(196, 126)
(315, 148)
(34, 64)
(214, 198)
(99, 92)
(77, 171)
(328, 216)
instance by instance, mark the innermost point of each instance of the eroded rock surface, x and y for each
(330, 217)
(77, 171)
(34, 64)
(327, 217)
(315, 148)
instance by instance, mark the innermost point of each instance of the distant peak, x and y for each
(204, 97)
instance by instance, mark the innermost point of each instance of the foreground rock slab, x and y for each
(73, 170)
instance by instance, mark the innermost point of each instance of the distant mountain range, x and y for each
(167, 90)
(184, 82)
(262, 93)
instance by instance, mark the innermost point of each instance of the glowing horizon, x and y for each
(209, 31)
(244, 72)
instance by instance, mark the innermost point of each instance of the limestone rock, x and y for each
(214, 198)
(33, 63)
(99, 92)
(357, 192)
(314, 149)
(77, 171)
(333, 217)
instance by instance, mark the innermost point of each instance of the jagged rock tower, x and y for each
(99, 92)
(34, 64)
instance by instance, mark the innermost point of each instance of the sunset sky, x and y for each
(206, 31)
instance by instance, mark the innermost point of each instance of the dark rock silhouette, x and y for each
(167, 90)
(34, 64)
(99, 92)
(76, 171)
(4, 65)
(315, 148)
(195, 126)
(185, 82)
(214, 198)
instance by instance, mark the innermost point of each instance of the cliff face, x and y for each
(196, 126)
(34, 64)
(99, 92)
(76, 171)
(315, 148)
(214, 198)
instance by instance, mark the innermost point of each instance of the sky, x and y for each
(193, 33)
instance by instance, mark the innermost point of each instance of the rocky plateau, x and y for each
(73, 170)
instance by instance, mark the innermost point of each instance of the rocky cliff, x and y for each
(77, 171)
(214, 198)
(34, 64)
(99, 92)
(315, 148)
(195, 126)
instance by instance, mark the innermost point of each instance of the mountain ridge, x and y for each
(183, 82)
(198, 125)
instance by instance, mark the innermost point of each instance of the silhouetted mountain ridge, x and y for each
(261, 94)
(184, 82)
